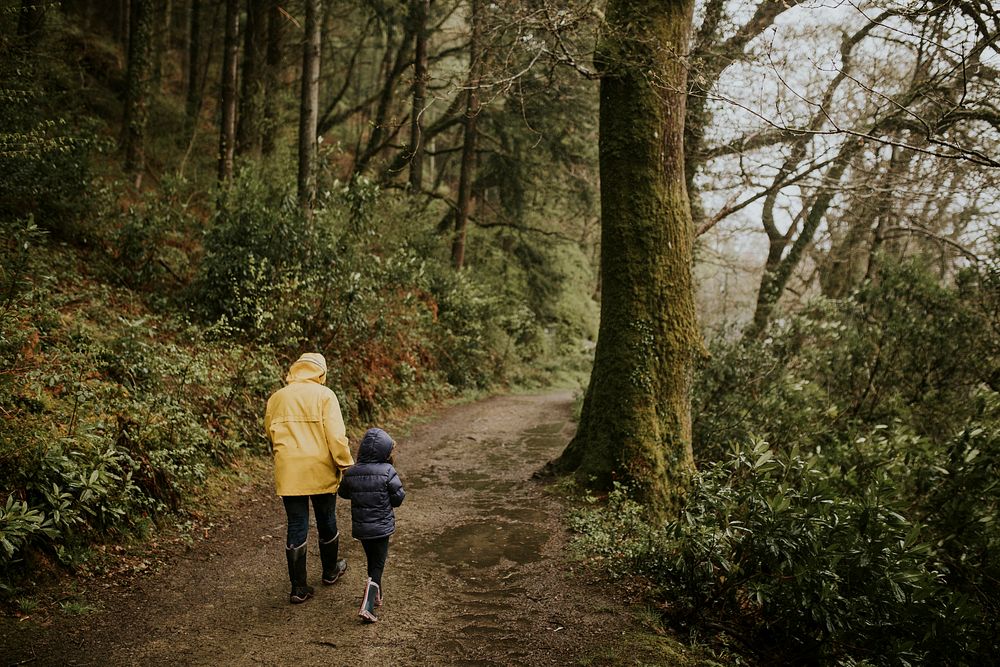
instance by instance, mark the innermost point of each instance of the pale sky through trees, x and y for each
(780, 85)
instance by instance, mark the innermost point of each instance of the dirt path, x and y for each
(477, 572)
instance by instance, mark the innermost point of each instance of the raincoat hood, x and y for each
(306, 429)
(375, 446)
(310, 367)
(373, 487)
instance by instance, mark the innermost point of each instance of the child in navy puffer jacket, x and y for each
(374, 488)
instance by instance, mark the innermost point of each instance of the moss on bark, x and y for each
(636, 421)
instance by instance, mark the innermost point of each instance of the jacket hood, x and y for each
(310, 367)
(375, 446)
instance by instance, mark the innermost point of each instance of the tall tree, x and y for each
(124, 22)
(137, 81)
(395, 62)
(227, 131)
(161, 38)
(272, 74)
(468, 164)
(193, 59)
(249, 133)
(309, 105)
(636, 421)
(419, 12)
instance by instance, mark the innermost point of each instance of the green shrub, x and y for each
(262, 262)
(108, 422)
(148, 246)
(362, 281)
(776, 550)
(866, 530)
(903, 349)
(44, 151)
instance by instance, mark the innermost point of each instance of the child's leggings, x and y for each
(376, 552)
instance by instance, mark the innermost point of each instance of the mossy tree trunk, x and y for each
(192, 60)
(227, 130)
(419, 10)
(463, 207)
(309, 105)
(137, 80)
(272, 77)
(249, 127)
(636, 420)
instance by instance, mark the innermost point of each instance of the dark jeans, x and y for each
(297, 511)
(376, 551)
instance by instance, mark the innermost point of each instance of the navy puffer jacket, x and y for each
(373, 487)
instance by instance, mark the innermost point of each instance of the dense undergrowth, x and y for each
(847, 504)
(141, 330)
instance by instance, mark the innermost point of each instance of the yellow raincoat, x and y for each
(307, 433)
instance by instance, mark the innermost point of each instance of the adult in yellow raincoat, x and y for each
(309, 441)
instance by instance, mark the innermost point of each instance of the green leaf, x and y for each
(763, 458)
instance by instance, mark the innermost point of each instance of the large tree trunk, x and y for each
(272, 74)
(124, 23)
(161, 40)
(420, 9)
(137, 81)
(464, 205)
(249, 130)
(635, 426)
(309, 106)
(193, 60)
(231, 48)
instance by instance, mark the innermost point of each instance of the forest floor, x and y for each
(479, 573)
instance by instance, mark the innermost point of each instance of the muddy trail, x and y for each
(478, 572)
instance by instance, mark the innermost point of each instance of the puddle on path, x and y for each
(414, 481)
(541, 449)
(476, 480)
(523, 514)
(546, 429)
(481, 545)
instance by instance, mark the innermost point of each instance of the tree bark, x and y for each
(227, 132)
(193, 98)
(309, 107)
(161, 39)
(420, 9)
(124, 25)
(272, 77)
(464, 204)
(635, 427)
(137, 80)
(249, 139)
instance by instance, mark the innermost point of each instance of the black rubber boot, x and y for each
(297, 574)
(369, 602)
(332, 567)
